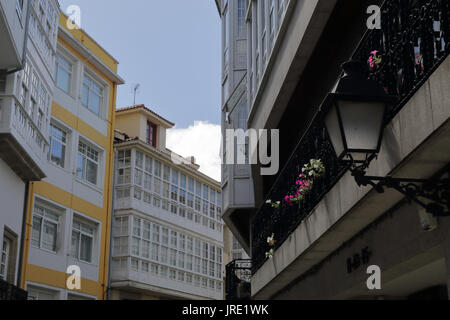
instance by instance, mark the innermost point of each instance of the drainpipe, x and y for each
(111, 209)
(25, 41)
(22, 236)
(108, 289)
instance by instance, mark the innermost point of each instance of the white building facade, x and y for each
(167, 227)
(28, 39)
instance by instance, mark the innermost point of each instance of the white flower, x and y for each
(269, 201)
(270, 254)
(311, 173)
(278, 202)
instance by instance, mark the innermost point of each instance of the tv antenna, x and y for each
(135, 89)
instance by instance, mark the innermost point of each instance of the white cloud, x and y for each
(202, 140)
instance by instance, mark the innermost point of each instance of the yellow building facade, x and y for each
(69, 212)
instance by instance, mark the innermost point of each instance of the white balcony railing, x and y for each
(16, 121)
(28, 130)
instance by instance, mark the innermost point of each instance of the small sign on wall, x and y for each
(358, 260)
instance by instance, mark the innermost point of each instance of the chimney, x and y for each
(191, 159)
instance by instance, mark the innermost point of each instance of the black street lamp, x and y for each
(355, 112)
(355, 117)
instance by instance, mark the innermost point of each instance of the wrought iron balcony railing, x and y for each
(413, 41)
(237, 282)
(11, 292)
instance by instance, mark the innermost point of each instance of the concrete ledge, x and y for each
(288, 59)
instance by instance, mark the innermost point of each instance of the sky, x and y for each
(172, 49)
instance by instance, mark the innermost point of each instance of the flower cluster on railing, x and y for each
(299, 179)
(374, 59)
(271, 242)
(310, 171)
(304, 184)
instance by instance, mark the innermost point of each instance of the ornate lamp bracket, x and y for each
(432, 194)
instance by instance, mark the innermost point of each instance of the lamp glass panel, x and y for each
(334, 131)
(362, 122)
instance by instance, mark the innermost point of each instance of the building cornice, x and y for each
(142, 108)
(87, 54)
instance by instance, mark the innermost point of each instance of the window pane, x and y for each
(94, 102)
(146, 230)
(87, 229)
(80, 167)
(64, 63)
(174, 177)
(155, 233)
(157, 168)
(75, 244)
(91, 172)
(136, 226)
(135, 247)
(86, 248)
(191, 184)
(85, 96)
(96, 88)
(146, 249)
(155, 252)
(166, 173)
(134, 265)
(58, 148)
(183, 181)
(148, 164)
(36, 232)
(49, 236)
(139, 159)
(205, 192)
(164, 253)
(198, 188)
(63, 74)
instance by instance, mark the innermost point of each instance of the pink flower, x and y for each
(287, 199)
(374, 52)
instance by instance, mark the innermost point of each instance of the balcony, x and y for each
(125, 276)
(12, 34)
(11, 292)
(413, 42)
(237, 285)
(23, 145)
